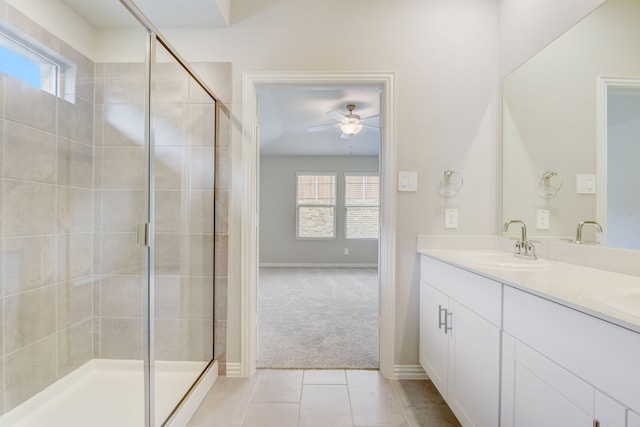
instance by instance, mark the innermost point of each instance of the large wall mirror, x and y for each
(571, 132)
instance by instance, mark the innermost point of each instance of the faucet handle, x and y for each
(519, 245)
(531, 248)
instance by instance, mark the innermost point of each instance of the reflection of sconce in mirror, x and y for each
(450, 184)
(549, 185)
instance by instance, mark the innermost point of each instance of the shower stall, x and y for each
(107, 222)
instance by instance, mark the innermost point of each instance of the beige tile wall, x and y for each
(222, 233)
(119, 189)
(47, 226)
(217, 76)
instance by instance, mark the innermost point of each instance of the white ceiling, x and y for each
(286, 113)
(163, 13)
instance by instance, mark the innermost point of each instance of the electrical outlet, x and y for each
(542, 219)
(346, 251)
(451, 218)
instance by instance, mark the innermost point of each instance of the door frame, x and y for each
(604, 84)
(250, 193)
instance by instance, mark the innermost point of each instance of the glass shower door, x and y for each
(73, 190)
(121, 198)
(183, 122)
(103, 323)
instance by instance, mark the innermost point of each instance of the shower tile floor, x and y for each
(322, 398)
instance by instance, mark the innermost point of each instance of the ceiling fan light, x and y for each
(350, 128)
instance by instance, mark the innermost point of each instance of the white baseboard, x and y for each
(400, 372)
(316, 265)
(234, 370)
(409, 372)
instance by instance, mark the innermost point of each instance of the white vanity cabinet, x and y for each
(561, 367)
(460, 317)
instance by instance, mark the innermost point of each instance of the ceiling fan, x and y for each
(349, 124)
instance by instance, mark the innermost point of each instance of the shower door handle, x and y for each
(143, 234)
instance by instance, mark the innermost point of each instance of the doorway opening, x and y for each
(319, 210)
(250, 259)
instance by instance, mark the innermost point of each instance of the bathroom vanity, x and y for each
(511, 342)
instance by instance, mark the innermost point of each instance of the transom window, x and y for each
(316, 206)
(27, 65)
(30, 61)
(362, 206)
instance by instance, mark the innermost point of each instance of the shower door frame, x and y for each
(145, 230)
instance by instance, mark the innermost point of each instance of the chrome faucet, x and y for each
(582, 224)
(523, 246)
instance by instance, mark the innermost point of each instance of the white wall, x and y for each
(526, 26)
(56, 17)
(278, 243)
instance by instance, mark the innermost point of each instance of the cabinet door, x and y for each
(608, 412)
(474, 367)
(537, 392)
(602, 354)
(434, 343)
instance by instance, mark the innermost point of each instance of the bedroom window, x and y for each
(316, 206)
(362, 206)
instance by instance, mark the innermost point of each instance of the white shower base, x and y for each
(108, 393)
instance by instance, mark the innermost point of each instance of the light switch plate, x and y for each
(408, 181)
(542, 219)
(451, 218)
(585, 183)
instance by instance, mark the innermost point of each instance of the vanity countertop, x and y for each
(613, 297)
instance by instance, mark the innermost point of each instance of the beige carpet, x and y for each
(318, 318)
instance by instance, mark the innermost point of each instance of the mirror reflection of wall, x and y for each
(623, 173)
(550, 117)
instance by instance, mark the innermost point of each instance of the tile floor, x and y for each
(322, 398)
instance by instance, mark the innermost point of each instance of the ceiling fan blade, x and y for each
(375, 116)
(336, 115)
(370, 126)
(321, 127)
(345, 136)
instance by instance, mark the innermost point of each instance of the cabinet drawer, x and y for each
(481, 295)
(603, 354)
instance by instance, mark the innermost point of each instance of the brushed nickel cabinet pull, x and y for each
(448, 318)
(440, 322)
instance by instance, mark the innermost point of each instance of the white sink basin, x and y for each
(496, 259)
